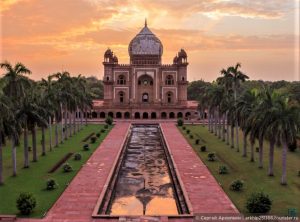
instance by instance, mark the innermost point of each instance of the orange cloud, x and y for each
(51, 34)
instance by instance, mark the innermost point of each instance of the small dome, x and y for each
(108, 53)
(182, 54)
(115, 58)
(175, 60)
(145, 43)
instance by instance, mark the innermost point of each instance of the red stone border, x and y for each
(204, 193)
(79, 199)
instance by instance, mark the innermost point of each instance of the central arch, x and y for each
(163, 115)
(127, 115)
(171, 115)
(145, 115)
(111, 114)
(153, 115)
(102, 115)
(118, 115)
(137, 115)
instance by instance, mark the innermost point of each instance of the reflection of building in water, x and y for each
(145, 88)
(144, 186)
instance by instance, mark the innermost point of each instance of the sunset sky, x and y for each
(54, 35)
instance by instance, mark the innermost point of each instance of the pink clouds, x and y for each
(49, 34)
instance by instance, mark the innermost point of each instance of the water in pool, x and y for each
(144, 186)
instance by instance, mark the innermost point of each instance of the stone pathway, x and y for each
(204, 192)
(78, 201)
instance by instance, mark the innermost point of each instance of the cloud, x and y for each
(48, 33)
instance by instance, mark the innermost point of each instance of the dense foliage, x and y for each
(26, 203)
(51, 184)
(26, 105)
(258, 203)
(260, 110)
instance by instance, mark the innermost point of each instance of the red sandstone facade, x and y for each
(145, 88)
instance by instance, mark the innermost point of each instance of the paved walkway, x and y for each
(78, 201)
(204, 192)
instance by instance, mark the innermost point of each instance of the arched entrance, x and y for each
(171, 115)
(111, 114)
(137, 115)
(145, 89)
(153, 115)
(179, 115)
(163, 115)
(187, 114)
(102, 115)
(94, 114)
(145, 115)
(127, 115)
(118, 115)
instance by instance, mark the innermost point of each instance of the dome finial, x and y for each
(145, 22)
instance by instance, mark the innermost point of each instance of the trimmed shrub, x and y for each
(191, 136)
(102, 130)
(106, 126)
(93, 139)
(203, 148)
(67, 168)
(26, 202)
(86, 147)
(184, 128)
(180, 122)
(29, 148)
(98, 135)
(223, 170)
(109, 120)
(197, 141)
(51, 184)
(188, 131)
(237, 185)
(211, 156)
(77, 156)
(257, 149)
(258, 203)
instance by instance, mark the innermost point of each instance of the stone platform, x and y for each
(77, 202)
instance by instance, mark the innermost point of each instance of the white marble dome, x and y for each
(145, 43)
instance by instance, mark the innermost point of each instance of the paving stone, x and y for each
(79, 199)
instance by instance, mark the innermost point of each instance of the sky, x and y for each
(54, 35)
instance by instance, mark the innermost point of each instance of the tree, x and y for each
(16, 82)
(14, 88)
(286, 123)
(232, 78)
(245, 105)
(6, 114)
(29, 114)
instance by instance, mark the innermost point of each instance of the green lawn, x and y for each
(33, 180)
(256, 179)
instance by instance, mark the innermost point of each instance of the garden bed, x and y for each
(60, 162)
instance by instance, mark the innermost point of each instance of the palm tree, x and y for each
(232, 78)
(245, 105)
(51, 105)
(15, 87)
(16, 82)
(284, 123)
(6, 114)
(29, 114)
